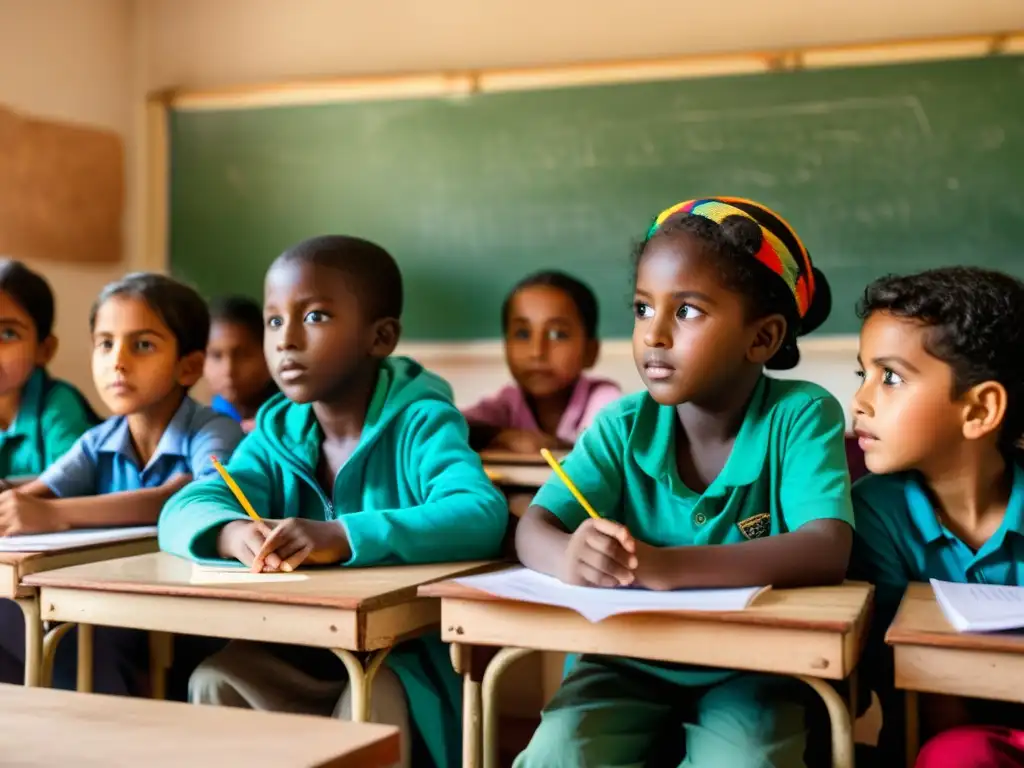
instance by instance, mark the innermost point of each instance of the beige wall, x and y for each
(207, 42)
(70, 60)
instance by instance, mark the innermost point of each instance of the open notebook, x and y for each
(980, 607)
(51, 542)
(595, 604)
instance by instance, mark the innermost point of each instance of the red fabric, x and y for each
(974, 747)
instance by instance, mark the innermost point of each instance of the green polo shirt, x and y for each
(787, 468)
(900, 539)
(52, 415)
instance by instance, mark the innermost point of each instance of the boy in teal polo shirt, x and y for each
(40, 417)
(716, 476)
(940, 414)
(362, 460)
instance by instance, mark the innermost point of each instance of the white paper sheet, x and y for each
(202, 574)
(50, 542)
(597, 604)
(980, 607)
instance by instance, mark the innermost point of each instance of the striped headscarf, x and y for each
(781, 249)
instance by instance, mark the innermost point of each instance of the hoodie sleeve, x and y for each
(460, 514)
(193, 517)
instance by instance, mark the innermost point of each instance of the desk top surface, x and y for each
(828, 609)
(160, 574)
(920, 621)
(44, 727)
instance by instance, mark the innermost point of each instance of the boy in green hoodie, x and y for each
(361, 460)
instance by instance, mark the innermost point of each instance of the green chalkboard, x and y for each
(880, 169)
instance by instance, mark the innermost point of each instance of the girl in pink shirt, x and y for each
(550, 325)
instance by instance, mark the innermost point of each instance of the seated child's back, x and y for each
(939, 414)
(550, 325)
(40, 417)
(361, 460)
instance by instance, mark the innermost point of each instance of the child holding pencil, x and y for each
(715, 476)
(361, 460)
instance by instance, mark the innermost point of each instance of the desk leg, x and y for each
(913, 726)
(33, 639)
(360, 679)
(462, 663)
(839, 714)
(50, 642)
(161, 656)
(85, 635)
(502, 661)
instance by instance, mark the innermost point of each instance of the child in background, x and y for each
(235, 365)
(715, 476)
(361, 460)
(40, 417)
(939, 414)
(149, 335)
(550, 325)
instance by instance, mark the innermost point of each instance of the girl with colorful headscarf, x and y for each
(714, 476)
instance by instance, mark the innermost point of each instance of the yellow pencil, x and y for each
(568, 483)
(235, 490)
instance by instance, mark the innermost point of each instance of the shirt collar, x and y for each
(28, 409)
(924, 516)
(652, 441)
(173, 442)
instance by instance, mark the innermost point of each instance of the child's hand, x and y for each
(248, 425)
(21, 514)
(524, 441)
(242, 540)
(296, 540)
(651, 567)
(601, 553)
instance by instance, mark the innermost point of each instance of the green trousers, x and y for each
(608, 714)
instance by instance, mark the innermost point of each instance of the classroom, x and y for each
(512, 383)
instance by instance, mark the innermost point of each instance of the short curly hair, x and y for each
(975, 321)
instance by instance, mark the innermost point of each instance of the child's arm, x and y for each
(31, 511)
(813, 555)
(556, 536)
(462, 515)
(815, 500)
(193, 520)
(489, 427)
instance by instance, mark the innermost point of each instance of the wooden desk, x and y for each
(15, 566)
(346, 610)
(932, 657)
(517, 469)
(811, 634)
(48, 728)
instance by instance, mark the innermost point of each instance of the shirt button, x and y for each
(700, 518)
